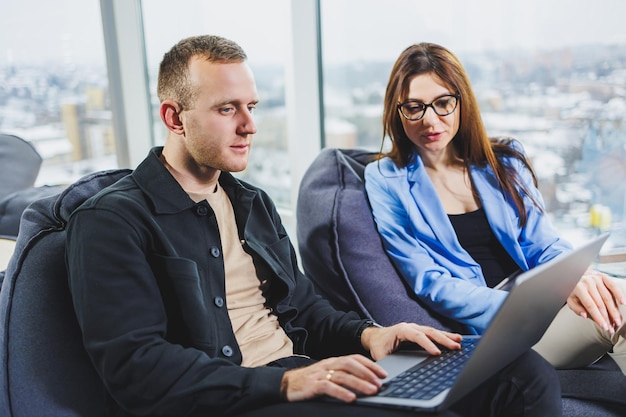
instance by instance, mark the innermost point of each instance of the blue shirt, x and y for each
(422, 243)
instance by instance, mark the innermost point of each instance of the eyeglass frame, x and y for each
(457, 96)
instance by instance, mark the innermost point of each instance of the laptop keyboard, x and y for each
(428, 378)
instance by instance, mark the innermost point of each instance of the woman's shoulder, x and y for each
(507, 144)
(511, 151)
(382, 167)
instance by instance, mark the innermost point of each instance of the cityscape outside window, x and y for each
(261, 28)
(54, 87)
(551, 74)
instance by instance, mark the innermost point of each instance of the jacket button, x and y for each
(219, 301)
(227, 351)
(215, 251)
(202, 210)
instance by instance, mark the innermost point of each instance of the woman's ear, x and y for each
(170, 115)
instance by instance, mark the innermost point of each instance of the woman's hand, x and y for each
(598, 297)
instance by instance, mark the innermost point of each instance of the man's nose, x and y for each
(248, 126)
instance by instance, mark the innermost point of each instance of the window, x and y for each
(53, 85)
(262, 32)
(551, 74)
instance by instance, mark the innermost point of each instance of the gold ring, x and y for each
(329, 375)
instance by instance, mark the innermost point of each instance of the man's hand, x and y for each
(343, 377)
(338, 377)
(381, 341)
(598, 297)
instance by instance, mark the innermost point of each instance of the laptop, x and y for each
(532, 304)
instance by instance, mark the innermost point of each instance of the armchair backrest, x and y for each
(342, 253)
(44, 369)
(341, 249)
(20, 163)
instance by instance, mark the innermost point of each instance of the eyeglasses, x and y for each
(414, 110)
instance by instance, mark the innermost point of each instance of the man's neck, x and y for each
(191, 183)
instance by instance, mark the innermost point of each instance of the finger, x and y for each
(606, 303)
(611, 294)
(596, 310)
(361, 367)
(440, 338)
(576, 306)
(322, 380)
(589, 296)
(338, 392)
(352, 384)
(447, 339)
(609, 300)
(427, 343)
(615, 289)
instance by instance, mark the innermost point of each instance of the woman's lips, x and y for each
(433, 136)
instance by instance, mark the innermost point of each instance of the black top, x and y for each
(475, 235)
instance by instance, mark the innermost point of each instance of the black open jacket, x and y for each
(147, 281)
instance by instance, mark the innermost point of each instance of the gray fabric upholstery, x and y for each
(13, 205)
(20, 163)
(341, 249)
(44, 370)
(342, 253)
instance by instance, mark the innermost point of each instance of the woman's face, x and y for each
(432, 133)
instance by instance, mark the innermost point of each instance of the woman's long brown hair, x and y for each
(471, 143)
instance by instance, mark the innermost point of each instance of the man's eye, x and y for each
(251, 109)
(227, 110)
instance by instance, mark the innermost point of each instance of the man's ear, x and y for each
(170, 115)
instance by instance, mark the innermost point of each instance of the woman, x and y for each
(459, 212)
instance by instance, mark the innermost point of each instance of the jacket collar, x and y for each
(165, 193)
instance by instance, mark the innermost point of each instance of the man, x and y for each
(186, 285)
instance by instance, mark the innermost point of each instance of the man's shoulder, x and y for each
(124, 189)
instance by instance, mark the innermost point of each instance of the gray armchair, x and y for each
(44, 369)
(342, 253)
(20, 163)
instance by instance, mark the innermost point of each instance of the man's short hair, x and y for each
(173, 80)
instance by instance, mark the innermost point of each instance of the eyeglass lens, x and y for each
(415, 110)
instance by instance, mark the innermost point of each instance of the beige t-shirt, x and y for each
(258, 333)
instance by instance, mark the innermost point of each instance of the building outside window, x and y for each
(53, 85)
(261, 28)
(551, 74)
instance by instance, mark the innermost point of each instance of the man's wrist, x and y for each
(284, 386)
(365, 325)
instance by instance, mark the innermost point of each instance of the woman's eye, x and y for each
(444, 103)
(415, 108)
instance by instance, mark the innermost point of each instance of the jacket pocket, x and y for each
(280, 253)
(184, 301)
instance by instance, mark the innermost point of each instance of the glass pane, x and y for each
(556, 84)
(262, 32)
(54, 86)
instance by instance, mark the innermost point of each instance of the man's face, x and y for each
(218, 130)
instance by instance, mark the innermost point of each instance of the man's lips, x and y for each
(241, 147)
